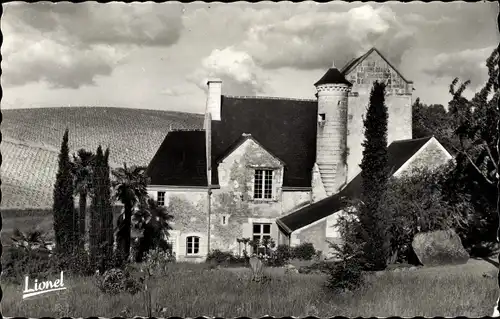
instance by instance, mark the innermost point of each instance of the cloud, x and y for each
(237, 70)
(467, 64)
(68, 45)
(313, 39)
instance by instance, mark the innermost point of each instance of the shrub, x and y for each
(281, 256)
(415, 204)
(115, 281)
(304, 251)
(220, 257)
(19, 262)
(346, 274)
(346, 271)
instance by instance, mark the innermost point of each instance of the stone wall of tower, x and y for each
(398, 101)
(331, 137)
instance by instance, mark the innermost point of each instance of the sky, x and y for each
(159, 56)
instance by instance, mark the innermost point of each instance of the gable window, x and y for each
(263, 184)
(161, 198)
(192, 245)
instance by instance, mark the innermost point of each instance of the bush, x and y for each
(416, 204)
(218, 257)
(304, 251)
(19, 262)
(346, 274)
(115, 281)
(281, 256)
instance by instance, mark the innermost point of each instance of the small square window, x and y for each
(161, 199)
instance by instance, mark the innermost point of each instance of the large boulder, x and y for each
(442, 247)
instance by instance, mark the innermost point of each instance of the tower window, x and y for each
(322, 117)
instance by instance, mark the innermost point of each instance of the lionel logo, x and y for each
(42, 287)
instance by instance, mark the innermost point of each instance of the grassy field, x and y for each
(31, 139)
(188, 290)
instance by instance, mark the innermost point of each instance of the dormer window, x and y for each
(263, 184)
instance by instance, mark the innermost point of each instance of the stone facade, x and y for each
(331, 142)
(189, 208)
(234, 210)
(398, 101)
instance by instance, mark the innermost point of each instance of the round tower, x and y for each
(331, 141)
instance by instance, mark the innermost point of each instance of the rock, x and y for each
(290, 269)
(437, 248)
(412, 268)
(397, 269)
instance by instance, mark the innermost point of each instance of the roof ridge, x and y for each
(186, 130)
(268, 98)
(413, 139)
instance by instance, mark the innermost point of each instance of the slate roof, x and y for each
(180, 160)
(333, 76)
(285, 127)
(399, 153)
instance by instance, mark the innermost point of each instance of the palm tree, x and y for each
(30, 240)
(129, 185)
(154, 221)
(82, 172)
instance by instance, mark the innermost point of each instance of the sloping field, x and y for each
(31, 139)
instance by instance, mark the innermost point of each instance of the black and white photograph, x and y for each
(243, 159)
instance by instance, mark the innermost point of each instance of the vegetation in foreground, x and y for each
(187, 290)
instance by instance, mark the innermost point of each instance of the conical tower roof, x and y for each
(333, 76)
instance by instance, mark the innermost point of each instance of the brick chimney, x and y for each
(214, 98)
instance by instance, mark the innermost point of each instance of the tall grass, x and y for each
(188, 290)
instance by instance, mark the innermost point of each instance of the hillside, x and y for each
(31, 139)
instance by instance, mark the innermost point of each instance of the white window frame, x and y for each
(264, 182)
(191, 245)
(261, 234)
(158, 197)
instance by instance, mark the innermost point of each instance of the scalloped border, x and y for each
(206, 317)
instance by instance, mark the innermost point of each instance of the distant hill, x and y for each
(31, 139)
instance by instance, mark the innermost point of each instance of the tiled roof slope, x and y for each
(399, 153)
(285, 127)
(180, 160)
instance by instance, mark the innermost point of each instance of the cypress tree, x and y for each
(63, 206)
(374, 175)
(95, 209)
(107, 213)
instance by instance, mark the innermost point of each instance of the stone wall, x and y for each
(235, 199)
(190, 211)
(398, 101)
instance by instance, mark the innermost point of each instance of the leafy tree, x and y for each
(428, 120)
(417, 203)
(130, 186)
(154, 221)
(63, 206)
(374, 179)
(82, 172)
(476, 124)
